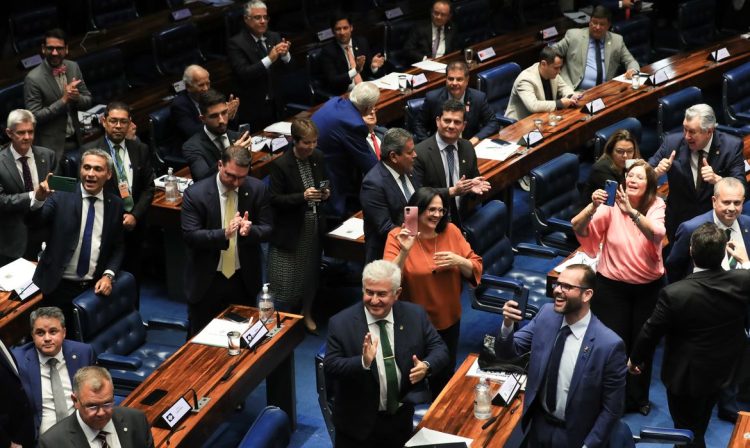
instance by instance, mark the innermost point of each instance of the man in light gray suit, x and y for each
(54, 92)
(23, 170)
(581, 47)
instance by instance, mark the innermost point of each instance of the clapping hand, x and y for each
(369, 350)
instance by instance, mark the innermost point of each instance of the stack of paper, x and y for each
(430, 66)
(492, 150)
(352, 229)
(215, 333)
(280, 127)
(16, 275)
(428, 437)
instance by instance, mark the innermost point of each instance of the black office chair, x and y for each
(497, 84)
(315, 74)
(531, 12)
(695, 28)
(671, 110)
(736, 95)
(165, 146)
(636, 33)
(271, 429)
(104, 72)
(412, 111)
(317, 13)
(104, 14)
(11, 97)
(27, 28)
(175, 48)
(325, 401)
(473, 19)
(396, 32)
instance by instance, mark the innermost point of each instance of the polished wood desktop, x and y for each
(453, 411)
(14, 317)
(201, 367)
(741, 433)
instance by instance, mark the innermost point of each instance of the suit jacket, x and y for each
(703, 318)
(527, 95)
(76, 355)
(203, 155)
(341, 138)
(185, 115)
(678, 263)
(430, 171)
(684, 202)
(356, 390)
(16, 416)
(133, 431)
(61, 214)
(142, 187)
(287, 198)
(419, 43)
(15, 239)
(335, 67)
(597, 389)
(480, 119)
(575, 47)
(43, 96)
(383, 205)
(203, 232)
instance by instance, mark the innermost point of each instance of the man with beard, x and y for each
(575, 389)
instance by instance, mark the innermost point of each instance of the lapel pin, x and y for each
(75, 356)
(125, 429)
(401, 327)
(246, 193)
(586, 349)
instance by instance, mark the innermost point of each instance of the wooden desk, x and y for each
(741, 433)
(453, 411)
(201, 367)
(14, 317)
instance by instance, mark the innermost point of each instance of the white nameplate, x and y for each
(179, 86)
(176, 412)
(720, 54)
(394, 13)
(181, 14)
(533, 138)
(418, 80)
(659, 77)
(325, 34)
(595, 106)
(509, 389)
(254, 334)
(549, 33)
(31, 61)
(485, 54)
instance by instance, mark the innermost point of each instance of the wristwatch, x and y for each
(107, 274)
(429, 368)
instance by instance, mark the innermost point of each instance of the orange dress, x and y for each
(439, 293)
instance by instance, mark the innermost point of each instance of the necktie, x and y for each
(451, 157)
(436, 42)
(227, 260)
(698, 177)
(28, 184)
(599, 74)
(262, 46)
(122, 176)
(375, 144)
(58, 393)
(102, 437)
(407, 190)
(389, 362)
(85, 256)
(732, 260)
(353, 63)
(553, 368)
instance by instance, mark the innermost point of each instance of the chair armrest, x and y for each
(165, 322)
(739, 132)
(743, 116)
(111, 360)
(561, 225)
(502, 282)
(504, 121)
(295, 108)
(533, 249)
(651, 434)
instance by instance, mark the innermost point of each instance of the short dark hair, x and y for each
(55, 33)
(549, 54)
(451, 105)
(708, 246)
(394, 141)
(210, 98)
(422, 198)
(339, 15)
(602, 12)
(116, 105)
(589, 276)
(303, 128)
(50, 312)
(458, 65)
(239, 154)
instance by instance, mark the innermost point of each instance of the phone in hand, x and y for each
(523, 301)
(411, 214)
(324, 185)
(62, 183)
(610, 187)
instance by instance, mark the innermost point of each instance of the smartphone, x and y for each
(411, 215)
(324, 184)
(244, 127)
(62, 183)
(522, 301)
(610, 187)
(234, 317)
(153, 397)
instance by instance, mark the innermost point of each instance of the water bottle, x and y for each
(266, 309)
(482, 400)
(172, 194)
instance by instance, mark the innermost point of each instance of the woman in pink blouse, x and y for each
(628, 238)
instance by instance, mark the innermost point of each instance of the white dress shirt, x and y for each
(441, 44)
(694, 159)
(372, 325)
(112, 440)
(96, 238)
(223, 206)
(397, 178)
(736, 238)
(49, 417)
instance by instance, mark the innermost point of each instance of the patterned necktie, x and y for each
(553, 368)
(227, 259)
(436, 42)
(102, 437)
(407, 190)
(451, 158)
(732, 260)
(389, 362)
(85, 256)
(28, 184)
(599, 71)
(122, 176)
(58, 393)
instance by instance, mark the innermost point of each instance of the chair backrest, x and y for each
(554, 190)
(535, 11)
(412, 109)
(70, 163)
(325, 400)
(695, 23)
(636, 33)
(104, 72)
(474, 21)
(233, 21)
(11, 97)
(736, 92)
(162, 132)
(621, 436)
(175, 48)
(485, 232)
(106, 13)
(395, 34)
(671, 110)
(602, 135)
(271, 429)
(27, 28)
(497, 84)
(317, 13)
(315, 73)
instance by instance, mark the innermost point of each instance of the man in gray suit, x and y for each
(23, 170)
(594, 55)
(54, 92)
(97, 422)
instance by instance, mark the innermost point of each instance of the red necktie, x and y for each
(375, 144)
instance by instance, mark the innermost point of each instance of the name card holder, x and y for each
(174, 414)
(719, 55)
(595, 106)
(549, 33)
(179, 86)
(394, 13)
(253, 335)
(181, 14)
(325, 34)
(531, 139)
(31, 61)
(508, 391)
(418, 80)
(485, 54)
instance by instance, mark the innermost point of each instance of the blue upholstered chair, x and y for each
(104, 72)
(396, 33)
(694, 28)
(473, 19)
(27, 28)
(114, 328)
(736, 95)
(315, 73)
(175, 48)
(622, 437)
(497, 84)
(412, 110)
(11, 97)
(636, 33)
(671, 110)
(647, 139)
(106, 13)
(508, 273)
(271, 429)
(165, 146)
(325, 401)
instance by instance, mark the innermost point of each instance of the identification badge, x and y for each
(124, 190)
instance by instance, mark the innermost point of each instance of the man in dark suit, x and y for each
(16, 416)
(479, 117)
(694, 161)
(224, 219)
(54, 92)
(347, 61)
(703, 318)
(342, 138)
(448, 162)
(133, 179)
(48, 383)
(377, 382)
(433, 40)
(575, 388)
(254, 56)
(23, 167)
(203, 150)
(97, 421)
(85, 247)
(386, 189)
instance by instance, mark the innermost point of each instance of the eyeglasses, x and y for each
(120, 121)
(94, 408)
(623, 152)
(258, 18)
(50, 48)
(436, 210)
(567, 287)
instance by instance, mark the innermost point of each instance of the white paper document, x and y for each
(427, 436)
(17, 275)
(491, 150)
(215, 333)
(499, 377)
(578, 258)
(352, 229)
(578, 17)
(390, 81)
(430, 66)
(280, 127)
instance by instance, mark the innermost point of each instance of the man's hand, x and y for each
(15, 445)
(665, 164)
(245, 224)
(462, 187)
(627, 4)
(103, 286)
(511, 313)
(569, 102)
(633, 369)
(707, 173)
(42, 190)
(630, 73)
(377, 61)
(739, 253)
(128, 221)
(369, 350)
(479, 185)
(419, 371)
(233, 104)
(474, 141)
(312, 194)
(278, 50)
(70, 93)
(245, 140)
(360, 63)
(233, 227)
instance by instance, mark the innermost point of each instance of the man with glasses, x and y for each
(575, 390)
(255, 55)
(224, 219)
(54, 92)
(97, 421)
(435, 39)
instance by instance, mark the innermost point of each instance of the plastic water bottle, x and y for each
(172, 193)
(482, 400)
(266, 306)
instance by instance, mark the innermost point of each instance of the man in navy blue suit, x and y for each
(575, 391)
(386, 189)
(378, 357)
(224, 219)
(16, 417)
(480, 119)
(694, 161)
(48, 383)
